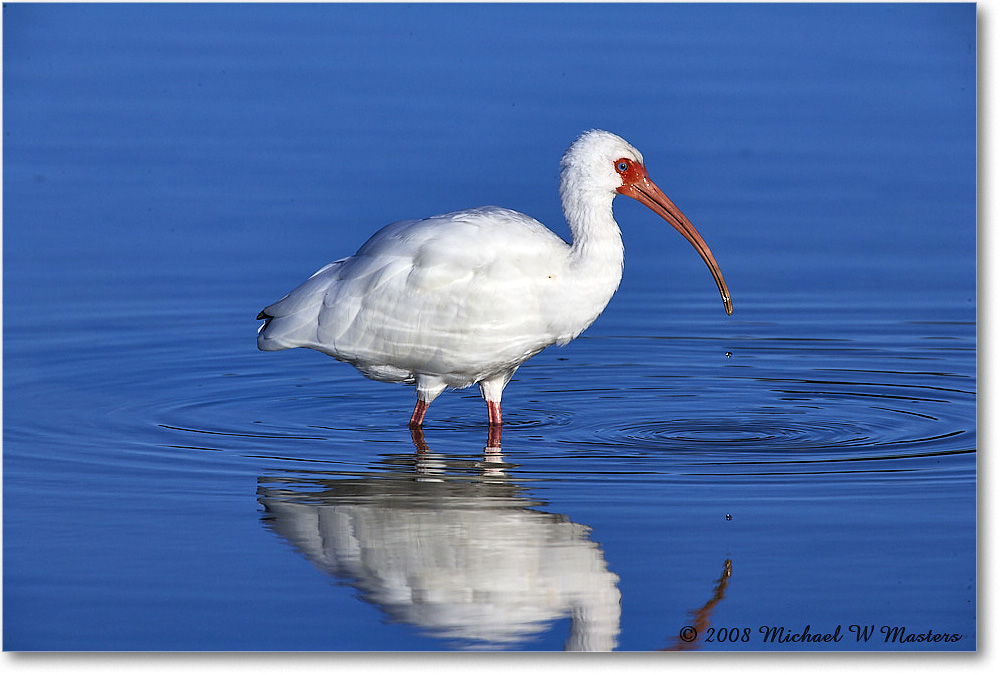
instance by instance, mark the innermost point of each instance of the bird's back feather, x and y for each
(463, 296)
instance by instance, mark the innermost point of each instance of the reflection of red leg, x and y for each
(417, 436)
(419, 410)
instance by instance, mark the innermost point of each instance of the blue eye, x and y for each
(622, 166)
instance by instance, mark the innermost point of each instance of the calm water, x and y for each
(809, 461)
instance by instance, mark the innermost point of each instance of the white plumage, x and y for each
(466, 297)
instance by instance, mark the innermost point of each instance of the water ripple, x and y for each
(607, 404)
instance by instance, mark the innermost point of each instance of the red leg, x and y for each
(496, 424)
(493, 438)
(419, 410)
(493, 407)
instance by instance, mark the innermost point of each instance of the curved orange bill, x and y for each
(645, 191)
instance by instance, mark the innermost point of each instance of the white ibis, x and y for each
(466, 297)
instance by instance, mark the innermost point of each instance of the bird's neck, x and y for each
(595, 262)
(597, 247)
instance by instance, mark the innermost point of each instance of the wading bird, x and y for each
(466, 297)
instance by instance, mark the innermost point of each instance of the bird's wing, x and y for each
(457, 294)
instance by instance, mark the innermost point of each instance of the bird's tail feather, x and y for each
(291, 321)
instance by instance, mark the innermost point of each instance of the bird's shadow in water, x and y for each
(453, 546)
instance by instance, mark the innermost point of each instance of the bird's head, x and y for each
(600, 165)
(590, 164)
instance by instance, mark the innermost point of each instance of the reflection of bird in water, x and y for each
(463, 557)
(703, 615)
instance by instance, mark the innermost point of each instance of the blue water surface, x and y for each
(674, 479)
